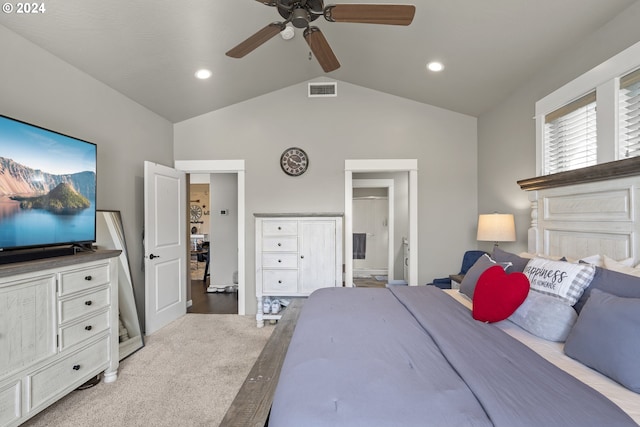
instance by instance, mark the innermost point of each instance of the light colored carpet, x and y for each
(186, 375)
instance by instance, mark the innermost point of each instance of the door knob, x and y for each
(152, 256)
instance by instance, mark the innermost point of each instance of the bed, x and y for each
(405, 355)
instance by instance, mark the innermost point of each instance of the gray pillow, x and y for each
(517, 262)
(613, 282)
(469, 281)
(606, 337)
(545, 316)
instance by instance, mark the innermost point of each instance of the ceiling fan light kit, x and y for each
(287, 33)
(300, 14)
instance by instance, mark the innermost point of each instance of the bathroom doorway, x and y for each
(373, 231)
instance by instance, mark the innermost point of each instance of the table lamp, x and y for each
(496, 228)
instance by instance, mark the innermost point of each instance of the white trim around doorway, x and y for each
(381, 165)
(227, 166)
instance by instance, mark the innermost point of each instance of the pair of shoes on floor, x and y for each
(269, 306)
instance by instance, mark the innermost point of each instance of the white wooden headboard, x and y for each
(598, 215)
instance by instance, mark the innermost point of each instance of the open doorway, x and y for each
(409, 250)
(373, 231)
(236, 252)
(214, 243)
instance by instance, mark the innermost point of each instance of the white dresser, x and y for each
(58, 329)
(295, 255)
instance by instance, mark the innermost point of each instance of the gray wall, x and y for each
(39, 88)
(506, 134)
(358, 124)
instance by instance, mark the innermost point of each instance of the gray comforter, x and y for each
(412, 356)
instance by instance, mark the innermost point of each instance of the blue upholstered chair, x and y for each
(469, 258)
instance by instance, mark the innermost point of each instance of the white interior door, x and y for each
(165, 258)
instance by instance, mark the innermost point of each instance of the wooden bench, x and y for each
(252, 404)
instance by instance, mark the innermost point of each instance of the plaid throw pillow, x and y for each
(559, 279)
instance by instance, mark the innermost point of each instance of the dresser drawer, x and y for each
(279, 228)
(271, 260)
(78, 332)
(10, 409)
(69, 372)
(77, 280)
(80, 305)
(280, 244)
(280, 281)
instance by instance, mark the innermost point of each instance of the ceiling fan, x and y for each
(300, 13)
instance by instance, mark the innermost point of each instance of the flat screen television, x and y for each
(47, 187)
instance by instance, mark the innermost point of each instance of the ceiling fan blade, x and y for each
(256, 40)
(321, 49)
(390, 14)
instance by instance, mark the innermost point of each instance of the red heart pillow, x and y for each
(498, 294)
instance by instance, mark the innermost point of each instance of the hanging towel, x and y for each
(359, 245)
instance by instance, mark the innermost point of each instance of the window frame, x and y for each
(605, 79)
(627, 82)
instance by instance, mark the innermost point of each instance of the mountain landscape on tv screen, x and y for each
(36, 189)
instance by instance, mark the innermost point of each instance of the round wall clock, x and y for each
(196, 212)
(294, 161)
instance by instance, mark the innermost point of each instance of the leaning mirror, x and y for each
(110, 235)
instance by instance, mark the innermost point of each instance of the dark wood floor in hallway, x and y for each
(210, 303)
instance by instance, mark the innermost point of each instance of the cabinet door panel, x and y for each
(10, 402)
(27, 322)
(317, 255)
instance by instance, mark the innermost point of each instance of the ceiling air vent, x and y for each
(317, 90)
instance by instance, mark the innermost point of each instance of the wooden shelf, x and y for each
(601, 172)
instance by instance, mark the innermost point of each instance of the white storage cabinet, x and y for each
(58, 329)
(295, 255)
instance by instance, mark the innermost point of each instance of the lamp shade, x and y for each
(496, 228)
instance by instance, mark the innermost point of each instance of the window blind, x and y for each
(570, 137)
(629, 113)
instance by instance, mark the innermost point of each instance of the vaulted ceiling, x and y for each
(149, 50)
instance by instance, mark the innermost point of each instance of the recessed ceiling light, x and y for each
(435, 66)
(203, 74)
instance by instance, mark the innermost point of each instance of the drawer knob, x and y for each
(87, 278)
(279, 244)
(279, 260)
(279, 281)
(279, 228)
(88, 327)
(76, 367)
(302, 256)
(88, 302)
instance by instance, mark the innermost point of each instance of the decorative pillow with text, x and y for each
(563, 280)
